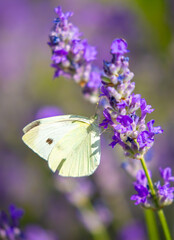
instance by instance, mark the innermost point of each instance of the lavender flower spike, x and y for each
(72, 57)
(9, 224)
(164, 193)
(124, 111)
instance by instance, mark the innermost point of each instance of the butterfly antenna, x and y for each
(97, 111)
(103, 131)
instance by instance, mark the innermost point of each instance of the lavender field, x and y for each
(109, 58)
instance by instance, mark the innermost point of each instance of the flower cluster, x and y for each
(125, 111)
(72, 56)
(9, 224)
(10, 230)
(164, 193)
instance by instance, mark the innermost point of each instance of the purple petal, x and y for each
(120, 128)
(124, 120)
(145, 139)
(154, 130)
(104, 92)
(89, 52)
(119, 46)
(141, 178)
(166, 174)
(16, 214)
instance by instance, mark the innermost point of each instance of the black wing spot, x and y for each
(49, 141)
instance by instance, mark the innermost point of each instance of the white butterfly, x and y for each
(70, 143)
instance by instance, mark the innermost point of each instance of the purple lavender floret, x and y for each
(9, 224)
(89, 52)
(141, 196)
(166, 174)
(141, 186)
(93, 84)
(141, 178)
(119, 47)
(116, 139)
(144, 139)
(107, 121)
(72, 57)
(124, 120)
(126, 111)
(145, 108)
(16, 214)
(164, 193)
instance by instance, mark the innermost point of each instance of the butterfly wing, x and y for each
(42, 135)
(77, 153)
(67, 137)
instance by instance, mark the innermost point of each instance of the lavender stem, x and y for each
(164, 224)
(143, 163)
(160, 211)
(151, 224)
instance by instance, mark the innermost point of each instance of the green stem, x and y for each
(160, 212)
(148, 176)
(151, 225)
(164, 224)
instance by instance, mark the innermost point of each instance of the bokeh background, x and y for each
(97, 206)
